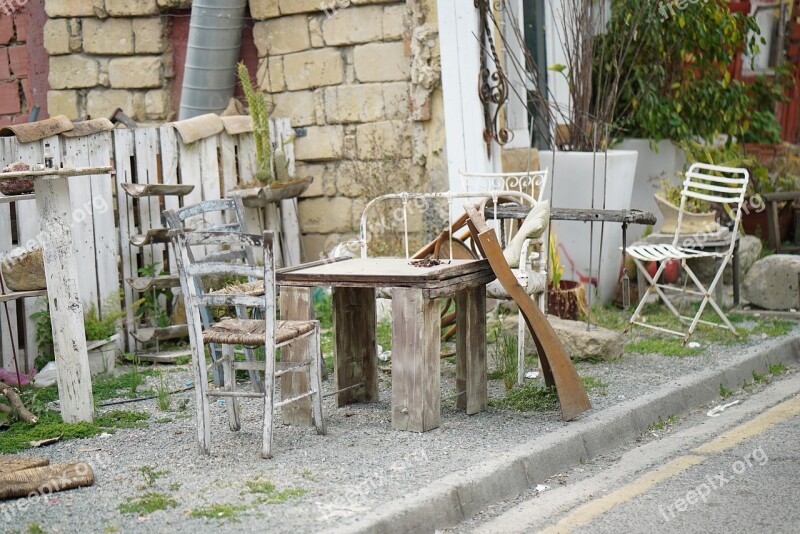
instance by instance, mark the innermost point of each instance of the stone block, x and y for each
(596, 344)
(380, 140)
(320, 143)
(264, 9)
(318, 246)
(131, 8)
(353, 25)
(108, 37)
(135, 73)
(148, 35)
(297, 105)
(18, 59)
(773, 283)
(74, 8)
(315, 31)
(288, 7)
(25, 272)
(9, 98)
(381, 62)
(354, 103)
(6, 30)
(270, 75)
(103, 102)
(325, 215)
(56, 37)
(282, 36)
(322, 173)
(314, 68)
(5, 66)
(75, 36)
(396, 100)
(63, 103)
(157, 104)
(73, 72)
(749, 251)
(394, 19)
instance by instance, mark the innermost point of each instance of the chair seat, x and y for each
(669, 252)
(251, 289)
(250, 332)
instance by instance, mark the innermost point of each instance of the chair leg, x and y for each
(269, 401)
(707, 299)
(230, 385)
(201, 398)
(315, 382)
(520, 349)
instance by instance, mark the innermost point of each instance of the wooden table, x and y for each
(772, 200)
(416, 332)
(61, 272)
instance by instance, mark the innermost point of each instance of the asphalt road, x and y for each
(737, 472)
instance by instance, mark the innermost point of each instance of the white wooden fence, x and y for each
(104, 216)
(93, 230)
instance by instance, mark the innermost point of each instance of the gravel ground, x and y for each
(358, 465)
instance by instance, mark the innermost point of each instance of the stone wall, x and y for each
(16, 89)
(361, 78)
(106, 54)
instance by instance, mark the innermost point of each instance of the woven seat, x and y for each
(253, 289)
(251, 332)
(244, 330)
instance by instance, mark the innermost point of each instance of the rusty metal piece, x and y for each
(119, 117)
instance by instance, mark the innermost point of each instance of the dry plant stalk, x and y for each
(16, 404)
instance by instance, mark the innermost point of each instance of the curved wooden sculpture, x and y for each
(556, 365)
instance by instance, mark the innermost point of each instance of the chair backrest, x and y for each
(532, 183)
(714, 183)
(421, 203)
(192, 271)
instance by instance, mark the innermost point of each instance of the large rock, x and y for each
(749, 251)
(582, 344)
(24, 272)
(772, 283)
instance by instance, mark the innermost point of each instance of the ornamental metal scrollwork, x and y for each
(492, 86)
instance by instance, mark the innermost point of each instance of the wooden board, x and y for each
(556, 364)
(296, 303)
(355, 344)
(471, 374)
(514, 211)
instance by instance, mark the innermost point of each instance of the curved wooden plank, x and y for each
(556, 364)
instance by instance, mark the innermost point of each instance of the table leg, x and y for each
(416, 380)
(66, 310)
(355, 344)
(296, 305)
(471, 349)
(774, 226)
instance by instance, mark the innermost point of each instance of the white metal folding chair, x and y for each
(723, 185)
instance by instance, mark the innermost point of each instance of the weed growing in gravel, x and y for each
(385, 334)
(773, 327)
(724, 392)
(672, 346)
(164, 400)
(661, 424)
(762, 379)
(150, 474)
(504, 357)
(267, 494)
(532, 397)
(147, 504)
(175, 486)
(776, 368)
(163, 420)
(112, 387)
(219, 511)
(34, 528)
(18, 436)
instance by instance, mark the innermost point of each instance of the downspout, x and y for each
(215, 37)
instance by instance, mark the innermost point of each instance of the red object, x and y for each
(5, 70)
(6, 29)
(9, 98)
(672, 271)
(651, 268)
(18, 56)
(21, 22)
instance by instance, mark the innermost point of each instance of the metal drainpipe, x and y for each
(215, 37)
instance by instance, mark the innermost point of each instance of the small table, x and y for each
(416, 332)
(772, 200)
(717, 242)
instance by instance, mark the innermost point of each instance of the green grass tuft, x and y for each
(268, 495)
(532, 397)
(724, 392)
(776, 368)
(147, 504)
(219, 511)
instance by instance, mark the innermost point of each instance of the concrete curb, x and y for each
(458, 496)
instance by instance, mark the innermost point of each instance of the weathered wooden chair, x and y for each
(713, 183)
(250, 332)
(225, 214)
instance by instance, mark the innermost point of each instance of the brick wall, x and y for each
(16, 91)
(361, 77)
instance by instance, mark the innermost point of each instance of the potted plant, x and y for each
(271, 181)
(102, 334)
(565, 298)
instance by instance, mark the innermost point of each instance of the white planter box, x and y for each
(102, 355)
(651, 168)
(572, 175)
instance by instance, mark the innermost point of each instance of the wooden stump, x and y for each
(45, 480)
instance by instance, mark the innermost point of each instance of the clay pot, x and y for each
(567, 301)
(692, 223)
